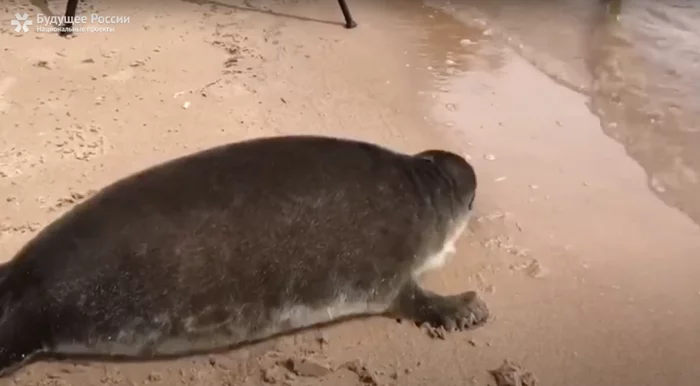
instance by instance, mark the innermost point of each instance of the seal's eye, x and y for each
(428, 156)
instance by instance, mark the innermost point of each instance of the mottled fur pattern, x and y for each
(239, 243)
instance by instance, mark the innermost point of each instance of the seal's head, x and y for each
(449, 182)
(457, 173)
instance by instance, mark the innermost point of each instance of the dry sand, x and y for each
(592, 280)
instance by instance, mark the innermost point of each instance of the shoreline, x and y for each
(641, 103)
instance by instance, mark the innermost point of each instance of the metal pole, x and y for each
(349, 22)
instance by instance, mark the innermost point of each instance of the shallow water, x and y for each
(641, 71)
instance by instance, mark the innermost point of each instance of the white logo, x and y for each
(21, 22)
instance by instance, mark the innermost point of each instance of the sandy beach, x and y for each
(591, 278)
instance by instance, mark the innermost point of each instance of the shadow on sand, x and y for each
(249, 8)
(106, 358)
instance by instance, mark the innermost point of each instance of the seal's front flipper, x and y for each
(440, 313)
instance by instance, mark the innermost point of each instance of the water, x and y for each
(641, 71)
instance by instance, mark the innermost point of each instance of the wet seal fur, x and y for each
(237, 244)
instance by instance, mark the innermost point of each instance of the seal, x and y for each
(240, 243)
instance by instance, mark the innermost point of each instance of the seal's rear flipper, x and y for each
(457, 312)
(20, 338)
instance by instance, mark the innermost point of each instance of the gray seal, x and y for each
(237, 244)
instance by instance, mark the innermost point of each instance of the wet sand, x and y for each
(639, 68)
(590, 276)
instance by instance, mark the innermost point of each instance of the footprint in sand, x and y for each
(122, 75)
(5, 85)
